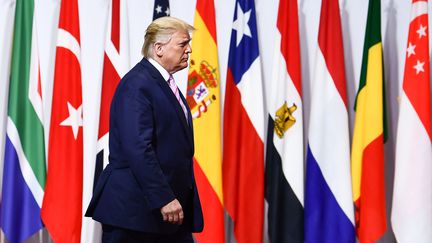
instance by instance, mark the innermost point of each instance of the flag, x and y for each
(161, 9)
(243, 157)
(62, 203)
(329, 211)
(284, 156)
(115, 65)
(412, 192)
(367, 154)
(6, 27)
(203, 97)
(24, 160)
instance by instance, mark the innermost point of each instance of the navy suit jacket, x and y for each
(151, 157)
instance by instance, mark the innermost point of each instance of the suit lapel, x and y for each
(172, 99)
(190, 120)
(189, 115)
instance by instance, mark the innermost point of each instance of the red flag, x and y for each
(62, 204)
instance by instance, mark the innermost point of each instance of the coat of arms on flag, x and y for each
(201, 89)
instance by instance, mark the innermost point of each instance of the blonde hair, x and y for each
(161, 30)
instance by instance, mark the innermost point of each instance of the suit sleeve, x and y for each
(136, 133)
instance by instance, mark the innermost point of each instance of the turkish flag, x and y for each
(62, 204)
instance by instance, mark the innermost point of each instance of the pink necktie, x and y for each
(176, 91)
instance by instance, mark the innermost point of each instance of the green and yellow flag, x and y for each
(369, 135)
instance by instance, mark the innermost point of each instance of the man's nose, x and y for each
(188, 49)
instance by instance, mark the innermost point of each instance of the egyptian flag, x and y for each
(284, 156)
(329, 211)
(203, 97)
(243, 157)
(367, 154)
(24, 170)
(412, 191)
(62, 203)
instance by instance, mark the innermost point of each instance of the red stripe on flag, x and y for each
(371, 217)
(39, 83)
(330, 43)
(110, 80)
(213, 211)
(243, 169)
(115, 24)
(287, 24)
(207, 13)
(110, 76)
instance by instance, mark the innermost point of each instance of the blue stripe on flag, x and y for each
(325, 220)
(19, 221)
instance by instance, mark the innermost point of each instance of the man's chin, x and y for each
(181, 68)
(184, 65)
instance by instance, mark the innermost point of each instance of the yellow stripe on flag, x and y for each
(369, 114)
(207, 127)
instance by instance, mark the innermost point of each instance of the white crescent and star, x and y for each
(75, 119)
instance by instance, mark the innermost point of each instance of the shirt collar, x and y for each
(159, 67)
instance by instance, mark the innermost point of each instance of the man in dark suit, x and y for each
(147, 193)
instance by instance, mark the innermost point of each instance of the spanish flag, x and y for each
(369, 136)
(203, 97)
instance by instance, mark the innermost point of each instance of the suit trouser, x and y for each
(112, 234)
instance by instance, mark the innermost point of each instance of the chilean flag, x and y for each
(243, 158)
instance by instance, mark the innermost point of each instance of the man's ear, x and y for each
(158, 49)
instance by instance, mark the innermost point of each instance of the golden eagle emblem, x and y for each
(284, 119)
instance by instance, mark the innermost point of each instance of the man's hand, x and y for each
(173, 212)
